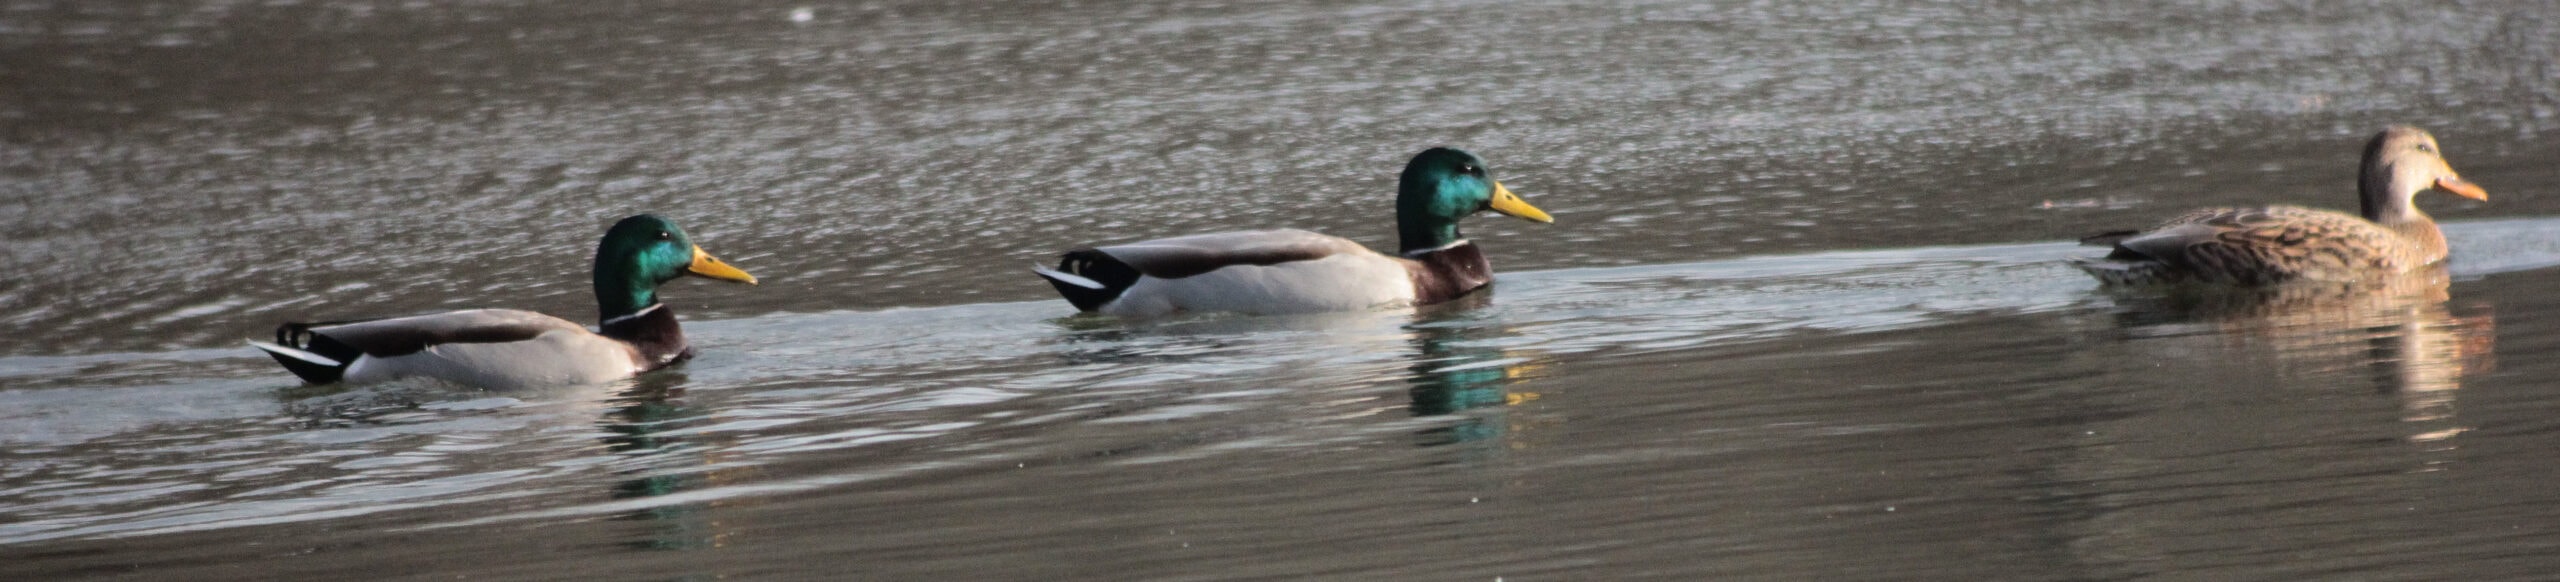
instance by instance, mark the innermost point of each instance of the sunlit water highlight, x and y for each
(137, 444)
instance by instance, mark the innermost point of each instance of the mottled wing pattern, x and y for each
(408, 335)
(1185, 256)
(2271, 244)
(2209, 215)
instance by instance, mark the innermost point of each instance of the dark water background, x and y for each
(1801, 314)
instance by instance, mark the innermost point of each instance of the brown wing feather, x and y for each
(2273, 244)
(1178, 257)
(408, 335)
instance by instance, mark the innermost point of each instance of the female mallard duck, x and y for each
(1295, 271)
(2276, 244)
(506, 348)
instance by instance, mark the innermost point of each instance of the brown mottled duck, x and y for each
(2265, 245)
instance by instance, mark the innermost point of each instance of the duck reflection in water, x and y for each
(637, 423)
(2400, 331)
(1453, 373)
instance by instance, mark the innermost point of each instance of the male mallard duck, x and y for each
(1295, 271)
(2276, 244)
(506, 348)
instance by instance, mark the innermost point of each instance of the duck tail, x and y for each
(314, 357)
(1089, 278)
(2112, 270)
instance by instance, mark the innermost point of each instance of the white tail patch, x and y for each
(1068, 278)
(296, 354)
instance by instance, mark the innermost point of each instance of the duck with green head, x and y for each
(506, 348)
(1295, 271)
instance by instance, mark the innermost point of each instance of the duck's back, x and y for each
(2265, 245)
(489, 348)
(1266, 272)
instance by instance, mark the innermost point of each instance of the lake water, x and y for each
(1802, 313)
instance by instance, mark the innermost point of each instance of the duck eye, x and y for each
(2427, 148)
(1470, 169)
(664, 235)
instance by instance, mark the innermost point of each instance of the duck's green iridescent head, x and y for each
(1442, 185)
(643, 251)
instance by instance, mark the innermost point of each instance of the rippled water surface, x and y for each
(1801, 315)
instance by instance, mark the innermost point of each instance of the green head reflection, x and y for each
(1453, 372)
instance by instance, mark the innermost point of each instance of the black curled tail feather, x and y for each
(299, 336)
(1115, 276)
(2115, 240)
